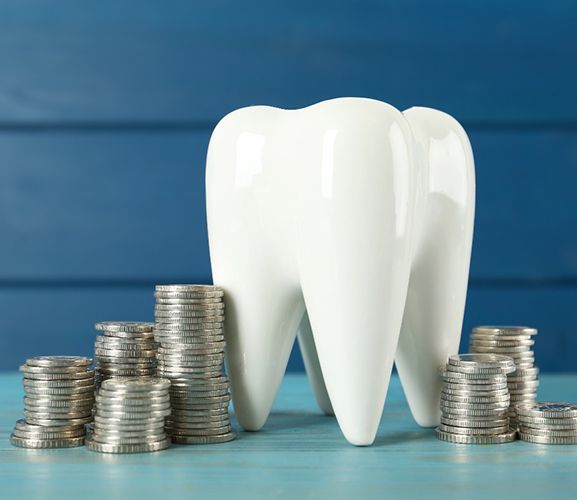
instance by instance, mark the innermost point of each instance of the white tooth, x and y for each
(438, 285)
(321, 203)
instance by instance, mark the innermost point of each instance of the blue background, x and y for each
(106, 109)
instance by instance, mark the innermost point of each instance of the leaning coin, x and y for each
(54, 361)
(46, 443)
(127, 448)
(464, 439)
(73, 370)
(547, 410)
(204, 439)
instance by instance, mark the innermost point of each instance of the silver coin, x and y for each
(125, 326)
(46, 443)
(132, 402)
(176, 395)
(204, 439)
(475, 431)
(189, 336)
(58, 393)
(59, 403)
(214, 431)
(498, 342)
(195, 306)
(547, 439)
(59, 361)
(511, 352)
(126, 448)
(136, 384)
(63, 383)
(149, 336)
(468, 423)
(475, 393)
(124, 345)
(60, 376)
(523, 385)
(190, 288)
(480, 363)
(462, 413)
(500, 405)
(547, 410)
(200, 422)
(504, 330)
(190, 376)
(55, 422)
(472, 378)
(547, 421)
(496, 400)
(132, 397)
(21, 424)
(464, 439)
(24, 429)
(125, 353)
(57, 370)
(120, 423)
(115, 439)
(109, 409)
(189, 316)
(188, 301)
(130, 430)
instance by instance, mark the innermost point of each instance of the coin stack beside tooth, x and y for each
(125, 349)
(58, 402)
(189, 330)
(548, 423)
(130, 416)
(475, 400)
(515, 342)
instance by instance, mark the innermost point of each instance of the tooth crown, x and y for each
(361, 216)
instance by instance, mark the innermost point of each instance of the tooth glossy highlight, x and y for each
(320, 220)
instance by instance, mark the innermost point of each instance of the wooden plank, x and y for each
(61, 320)
(108, 207)
(300, 453)
(195, 61)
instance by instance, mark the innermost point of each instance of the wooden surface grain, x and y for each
(298, 454)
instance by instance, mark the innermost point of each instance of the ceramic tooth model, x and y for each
(351, 223)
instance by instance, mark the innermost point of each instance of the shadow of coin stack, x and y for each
(515, 342)
(125, 349)
(475, 400)
(58, 402)
(130, 416)
(189, 331)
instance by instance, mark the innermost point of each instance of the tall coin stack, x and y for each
(130, 416)
(125, 348)
(475, 400)
(59, 396)
(189, 330)
(515, 342)
(548, 423)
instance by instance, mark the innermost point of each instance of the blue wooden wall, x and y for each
(106, 109)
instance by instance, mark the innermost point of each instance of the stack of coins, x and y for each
(548, 423)
(189, 330)
(515, 342)
(59, 396)
(130, 416)
(125, 349)
(475, 400)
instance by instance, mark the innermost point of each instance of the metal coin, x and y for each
(497, 400)
(504, 330)
(475, 431)
(480, 363)
(498, 342)
(46, 443)
(547, 439)
(60, 376)
(475, 393)
(186, 301)
(472, 378)
(59, 361)
(195, 306)
(464, 439)
(215, 431)
(545, 421)
(469, 423)
(136, 384)
(61, 370)
(204, 439)
(55, 422)
(190, 288)
(512, 352)
(115, 439)
(547, 410)
(126, 448)
(64, 383)
(125, 326)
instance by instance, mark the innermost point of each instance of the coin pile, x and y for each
(125, 349)
(130, 416)
(189, 331)
(548, 423)
(515, 342)
(59, 396)
(475, 399)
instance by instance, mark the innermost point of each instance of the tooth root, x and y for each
(354, 267)
(262, 319)
(312, 365)
(437, 290)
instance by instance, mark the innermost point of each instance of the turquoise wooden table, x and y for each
(299, 454)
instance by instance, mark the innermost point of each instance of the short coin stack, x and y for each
(189, 330)
(515, 342)
(130, 416)
(548, 423)
(125, 348)
(475, 400)
(59, 396)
